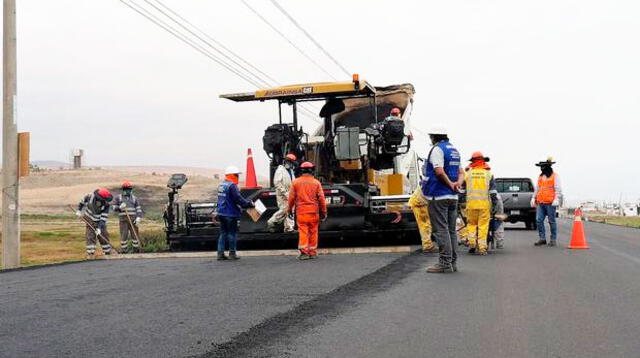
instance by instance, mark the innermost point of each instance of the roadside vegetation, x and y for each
(629, 221)
(49, 239)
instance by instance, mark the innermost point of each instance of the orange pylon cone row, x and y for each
(251, 181)
(578, 239)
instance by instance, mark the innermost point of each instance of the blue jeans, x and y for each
(228, 234)
(549, 211)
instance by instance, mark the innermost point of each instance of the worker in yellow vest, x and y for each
(419, 205)
(481, 198)
(546, 200)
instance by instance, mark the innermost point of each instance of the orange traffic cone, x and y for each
(251, 182)
(578, 240)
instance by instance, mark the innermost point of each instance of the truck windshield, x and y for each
(514, 186)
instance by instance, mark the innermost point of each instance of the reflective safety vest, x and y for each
(431, 185)
(546, 189)
(478, 181)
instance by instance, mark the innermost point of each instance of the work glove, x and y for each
(123, 206)
(533, 202)
(98, 232)
(79, 213)
(323, 216)
(556, 202)
(138, 220)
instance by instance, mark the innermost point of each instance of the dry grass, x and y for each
(629, 221)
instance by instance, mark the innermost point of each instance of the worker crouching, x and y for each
(481, 197)
(229, 204)
(94, 211)
(129, 214)
(306, 199)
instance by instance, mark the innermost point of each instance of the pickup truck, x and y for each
(516, 194)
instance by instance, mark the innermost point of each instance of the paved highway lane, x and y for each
(158, 308)
(521, 302)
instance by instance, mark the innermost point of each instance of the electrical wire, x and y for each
(307, 56)
(308, 35)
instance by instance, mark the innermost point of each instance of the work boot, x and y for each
(91, 256)
(439, 268)
(472, 250)
(552, 243)
(222, 257)
(454, 266)
(500, 245)
(313, 257)
(540, 242)
(233, 256)
(482, 252)
(303, 257)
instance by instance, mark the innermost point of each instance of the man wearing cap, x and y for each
(229, 204)
(282, 179)
(481, 197)
(307, 199)
(546, 199)
(443, 177)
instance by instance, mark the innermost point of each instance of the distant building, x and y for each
(76, 155)
(630, 209)
(589, 207)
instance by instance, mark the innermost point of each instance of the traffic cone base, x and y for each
(578, 239)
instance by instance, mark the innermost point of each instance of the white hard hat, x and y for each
(441, 130)
(231, 170)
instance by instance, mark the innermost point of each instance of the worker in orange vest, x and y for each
(546, 199)
(306, 198)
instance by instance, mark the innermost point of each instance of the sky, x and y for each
(518, 80)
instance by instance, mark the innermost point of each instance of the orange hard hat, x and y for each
(292, 157)
(395, 111)
(306, 165)
(127, 185)
(478, 156)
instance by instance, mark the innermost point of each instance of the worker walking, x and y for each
(282, 179)
(481, 197)
(546, 199)
(443, 177)
(306, 198)
(94, 208)
(420, 207)
(129, 214)
(230, 203)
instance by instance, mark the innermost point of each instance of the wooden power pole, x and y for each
(10, 187)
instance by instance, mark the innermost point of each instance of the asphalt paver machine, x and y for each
(363, 159)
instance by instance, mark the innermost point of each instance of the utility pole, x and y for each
(10, 187)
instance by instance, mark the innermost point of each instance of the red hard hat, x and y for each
(105, 194)
(395, 111)
(127, 185)
(306, 165)
(478, 156)
(292, 157)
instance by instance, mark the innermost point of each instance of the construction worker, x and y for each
(481, 197)
(282, 179)
(306, 198)
(546, 199)
(229, 204)
(443, 177)
(394, 114)
(498, 223)
(130, 214)
(420, 207)
(94, 211)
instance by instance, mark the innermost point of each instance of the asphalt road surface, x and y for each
(520, 302)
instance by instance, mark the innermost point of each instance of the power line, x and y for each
(193, 44)
(287, 39)
(162, 24)
(217, 42)
(285, 13)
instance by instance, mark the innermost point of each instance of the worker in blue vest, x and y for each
(443, 177)
(230, 203)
